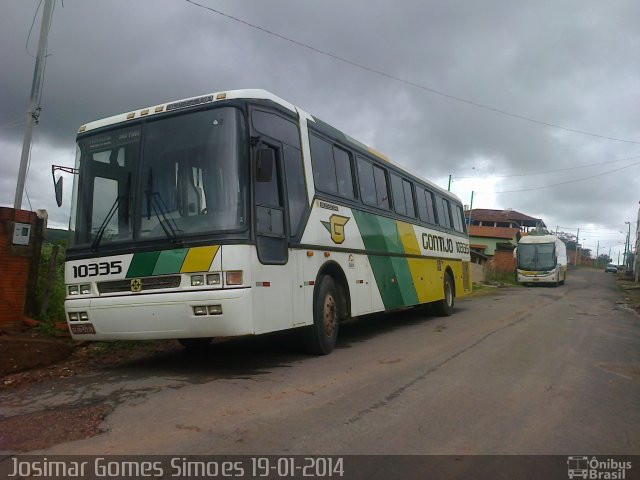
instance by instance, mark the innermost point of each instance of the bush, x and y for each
(493, 274)
(54, 311)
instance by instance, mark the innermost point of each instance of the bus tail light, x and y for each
(234, 278)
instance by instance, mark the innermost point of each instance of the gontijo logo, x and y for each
(335, 226)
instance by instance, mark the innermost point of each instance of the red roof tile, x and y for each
(488, 215)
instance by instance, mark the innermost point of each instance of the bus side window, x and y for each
(444, 217)
(425, 205)
(332, 171)
(458, 218)
(344, 175)
(324, 168)
(382, 189)
(408, 197)
(398, 194)
(367, 183)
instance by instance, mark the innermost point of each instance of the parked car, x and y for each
(611, 268)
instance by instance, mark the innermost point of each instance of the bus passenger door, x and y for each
(271, 236)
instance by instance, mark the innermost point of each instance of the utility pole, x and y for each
(470, 209)
(577, 239)
(597, 252)
(449, 187)
(627, 246)
(33, 113)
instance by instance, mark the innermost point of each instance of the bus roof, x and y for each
(247, 94)
(539, 239)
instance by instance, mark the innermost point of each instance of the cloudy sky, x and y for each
(530, 105)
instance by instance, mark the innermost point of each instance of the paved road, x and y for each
(524, 370)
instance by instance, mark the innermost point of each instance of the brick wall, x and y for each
(18, 263)
(503, 261)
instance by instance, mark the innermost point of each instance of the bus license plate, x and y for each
(84, 328)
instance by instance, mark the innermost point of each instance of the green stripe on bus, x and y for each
(405, 281)
(142, 264)
(170, 261)
(392, 274)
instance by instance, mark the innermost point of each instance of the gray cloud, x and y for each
(571, 64)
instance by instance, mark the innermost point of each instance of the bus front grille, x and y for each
(139, 284)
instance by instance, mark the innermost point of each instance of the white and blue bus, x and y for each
(237, 213)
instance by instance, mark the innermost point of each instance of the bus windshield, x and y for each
(536, 256)
(172, 177)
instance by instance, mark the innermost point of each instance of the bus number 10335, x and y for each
(97, 269)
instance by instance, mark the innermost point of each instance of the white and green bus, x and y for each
(237, 213)
(541, 259)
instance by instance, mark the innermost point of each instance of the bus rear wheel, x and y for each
(320, 338)
(444, 307)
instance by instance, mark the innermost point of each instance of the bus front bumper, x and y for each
(537, 277)
(163, 315)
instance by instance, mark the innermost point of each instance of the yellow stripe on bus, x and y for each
(417, 266)
(199, 259)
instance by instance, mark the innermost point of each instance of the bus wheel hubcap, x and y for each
(330, 315)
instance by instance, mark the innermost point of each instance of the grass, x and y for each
(500, 276)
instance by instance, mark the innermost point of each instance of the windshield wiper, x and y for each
(155, 202)
(105, 222)
(111, 213)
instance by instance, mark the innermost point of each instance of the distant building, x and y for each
(495, 234)
(484, 217)
(486, 240)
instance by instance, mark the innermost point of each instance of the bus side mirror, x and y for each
(58, 189)
(264, 166)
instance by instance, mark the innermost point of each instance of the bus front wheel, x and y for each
(320, 338)
(444, 307)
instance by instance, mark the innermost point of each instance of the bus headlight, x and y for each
(200, 310)
(73, 290)
(213, 279)
(85, 289)
(197, 280)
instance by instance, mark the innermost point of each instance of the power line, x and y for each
(565, 183)
(13, 123)
(409, 82)
(552, 171)
(26, 44)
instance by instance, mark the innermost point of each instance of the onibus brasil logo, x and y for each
(335, 226)
(594, 468)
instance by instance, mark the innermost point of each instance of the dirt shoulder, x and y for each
(27, 356)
